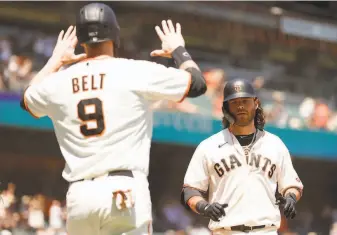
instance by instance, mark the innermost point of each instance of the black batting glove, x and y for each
(213, 211)
(288, 203)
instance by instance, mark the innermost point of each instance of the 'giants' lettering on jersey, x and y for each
(257, 161)
(86, 83)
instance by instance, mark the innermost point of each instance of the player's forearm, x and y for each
(184, 61)
(198, 85)
(52, 66)
(193, 201)
(189, 64)
(294, 191)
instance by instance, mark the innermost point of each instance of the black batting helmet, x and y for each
(238, 88)
(96, 22)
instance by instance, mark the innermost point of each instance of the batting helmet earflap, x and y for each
(236, 88)
(97, 22)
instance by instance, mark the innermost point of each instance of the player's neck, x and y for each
(243, 130)
(98, 53)
(103, 49)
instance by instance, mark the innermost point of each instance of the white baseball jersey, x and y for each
(100, 111)
(247, 184)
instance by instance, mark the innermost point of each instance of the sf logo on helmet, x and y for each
(237, 88)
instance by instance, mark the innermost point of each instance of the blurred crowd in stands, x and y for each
(23, 53)
(30, 215)
(42, 215)
(280, 111)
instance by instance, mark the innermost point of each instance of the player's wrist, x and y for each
(292, 196)
(54, 65)
(180, 55)
(297, 192)
(201, 206)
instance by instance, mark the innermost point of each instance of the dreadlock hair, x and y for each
(259, 119)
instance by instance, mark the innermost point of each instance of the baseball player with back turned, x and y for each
(100, 109)
(240, 168)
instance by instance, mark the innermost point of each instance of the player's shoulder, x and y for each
(105, 63)
(68, 69)
(52, 80)
(145, 64)
(270, 137)
(132, 65)
(214, 140)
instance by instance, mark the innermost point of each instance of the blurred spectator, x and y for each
(295, 123)
(277, 114)
(8, 197)
(55, 215)
(35, 214)
(320, 116)
(306, 110)
(258, 83)
(208, 104)
(25, 200)
(332, 123)
(5, 49)
(17, 74)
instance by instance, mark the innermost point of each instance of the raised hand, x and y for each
(170, 37)
(64, 51)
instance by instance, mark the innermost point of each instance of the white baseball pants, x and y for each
(91, 208)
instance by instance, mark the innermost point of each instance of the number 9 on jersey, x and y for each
(94, 116)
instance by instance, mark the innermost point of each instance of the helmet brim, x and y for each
(240, 95)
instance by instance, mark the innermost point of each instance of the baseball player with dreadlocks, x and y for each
(240, 167)
(100, 108)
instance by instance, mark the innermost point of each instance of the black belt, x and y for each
(127, 173)
(244, 228)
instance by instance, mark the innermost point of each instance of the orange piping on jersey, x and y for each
(188, 186)
(101, 57)
(187, 89)
(295, 187)
(26, 105)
